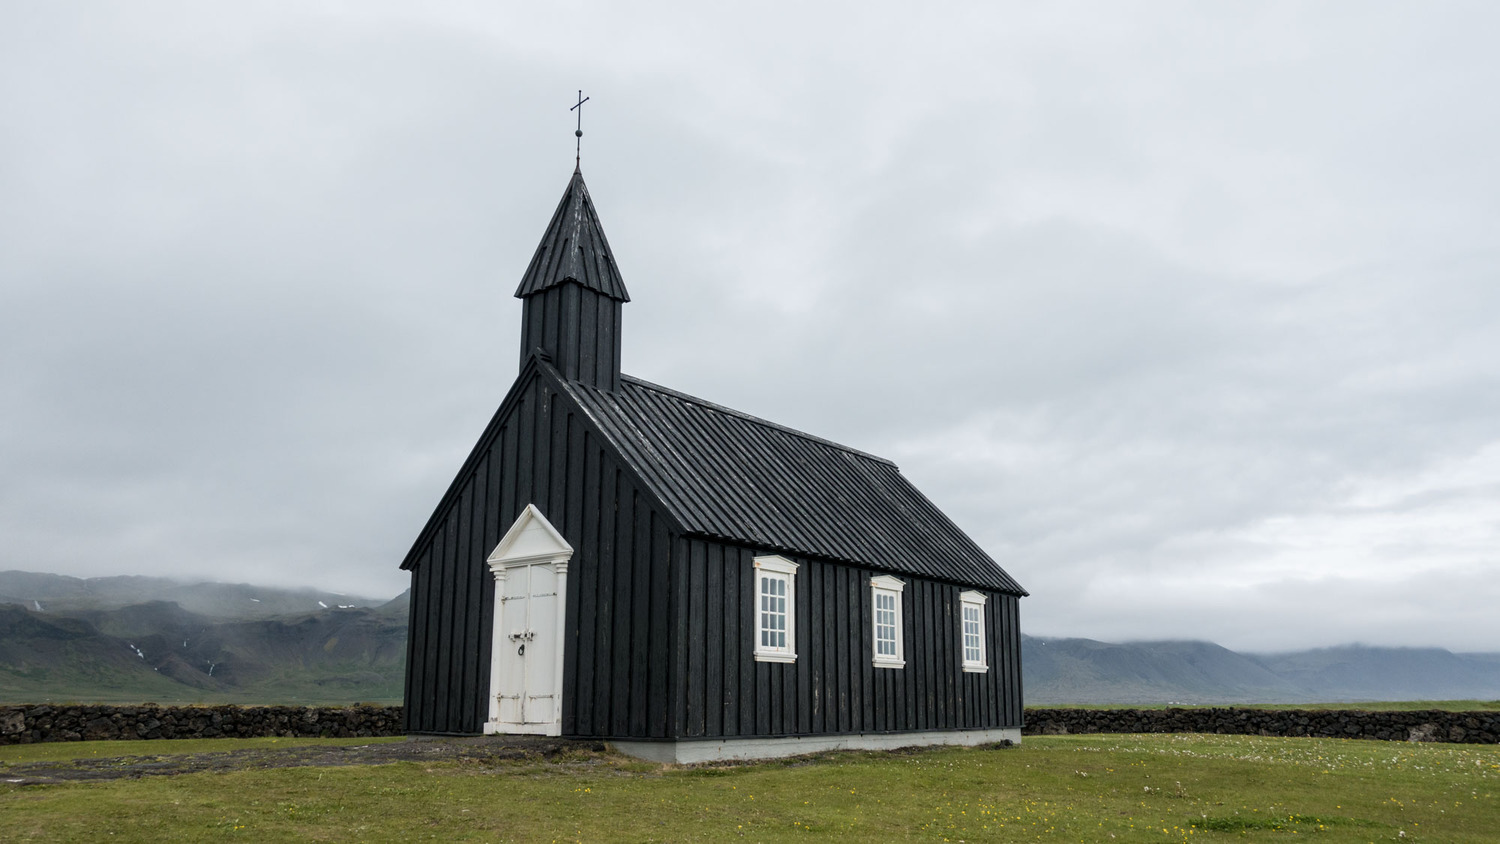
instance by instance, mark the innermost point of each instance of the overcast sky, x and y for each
(1188, 313)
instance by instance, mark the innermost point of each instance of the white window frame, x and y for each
(888, 587)
(777, 569)
(974, 601)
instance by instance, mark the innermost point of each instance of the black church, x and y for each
(622, 561)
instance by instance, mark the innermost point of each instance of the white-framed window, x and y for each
(885, 599)
(775, 609)
(971, 615)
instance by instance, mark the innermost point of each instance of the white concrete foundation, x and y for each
(714, 750)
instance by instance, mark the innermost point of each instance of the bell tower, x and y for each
(573, 294)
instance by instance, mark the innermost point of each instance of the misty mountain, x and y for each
(84, 645)
(1355, 672)
(1086, 671)
(60, 593)
(131, 639)
(1060, 671)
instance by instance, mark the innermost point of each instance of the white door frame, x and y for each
(532, 540)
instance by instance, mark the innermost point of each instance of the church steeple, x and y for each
(573, 294)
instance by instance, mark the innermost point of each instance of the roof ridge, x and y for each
(641, 382)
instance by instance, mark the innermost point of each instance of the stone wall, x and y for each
(1416, 725)
(48, 722)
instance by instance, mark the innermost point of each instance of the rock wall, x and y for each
(46, 722)
(1416, 725)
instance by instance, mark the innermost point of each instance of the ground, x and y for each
(483, 750)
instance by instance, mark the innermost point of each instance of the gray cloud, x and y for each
(1184, 312)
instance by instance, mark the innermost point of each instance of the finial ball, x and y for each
(578, 133)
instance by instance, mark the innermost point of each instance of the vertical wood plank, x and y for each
(750, 701)
(817, 637)
(861, 632)
(697, 598)
(731, 644)
(525, 452)
(509, 471)
(578, 483)
(841, 648)
(799, 710)
(609, 561)
(472, 527)
(713, 642)
(626, 552)
(640, 616)
(541, 465)
(553, 330)
(1014, 690)
(418, 672)
(663, 549)
(568, 341)
(583, 578)
(913, 658)
(588, 339)
(443, 639)
(931, 654)
(830, 649)
(681, 564)
(459, 585)
(616, 312)
(952, 656)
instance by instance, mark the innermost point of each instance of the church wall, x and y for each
(833, 687)
(616, 669)
(540, 450)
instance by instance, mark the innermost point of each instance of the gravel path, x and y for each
(487, 749)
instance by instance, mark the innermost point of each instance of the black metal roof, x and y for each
(574, 249)
(728, 475)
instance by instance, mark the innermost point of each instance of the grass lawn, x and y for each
(1367, 706)
(1063, 788)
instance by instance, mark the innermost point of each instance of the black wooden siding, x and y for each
(660, 624)
(579, 329)
(832, 687)
(616, 663)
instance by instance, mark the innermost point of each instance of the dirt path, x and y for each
(485, 750)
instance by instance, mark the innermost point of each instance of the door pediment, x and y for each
(531, 539)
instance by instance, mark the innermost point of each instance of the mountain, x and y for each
(1355, 672)
(60, 593)
(132, 639)
(1086, 671)
(1083, 671)
(64, 638)
(55, 657)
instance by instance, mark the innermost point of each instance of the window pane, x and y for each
(774, 611)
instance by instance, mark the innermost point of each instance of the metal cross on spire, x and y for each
(578, 133)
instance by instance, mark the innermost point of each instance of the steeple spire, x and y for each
(573, 294)
(574, 249)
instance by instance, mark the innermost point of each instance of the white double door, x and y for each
(526, 688)
(530, 566)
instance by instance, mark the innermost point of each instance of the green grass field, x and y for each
(294, 687)
(1368, 706)
(1066, 788)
